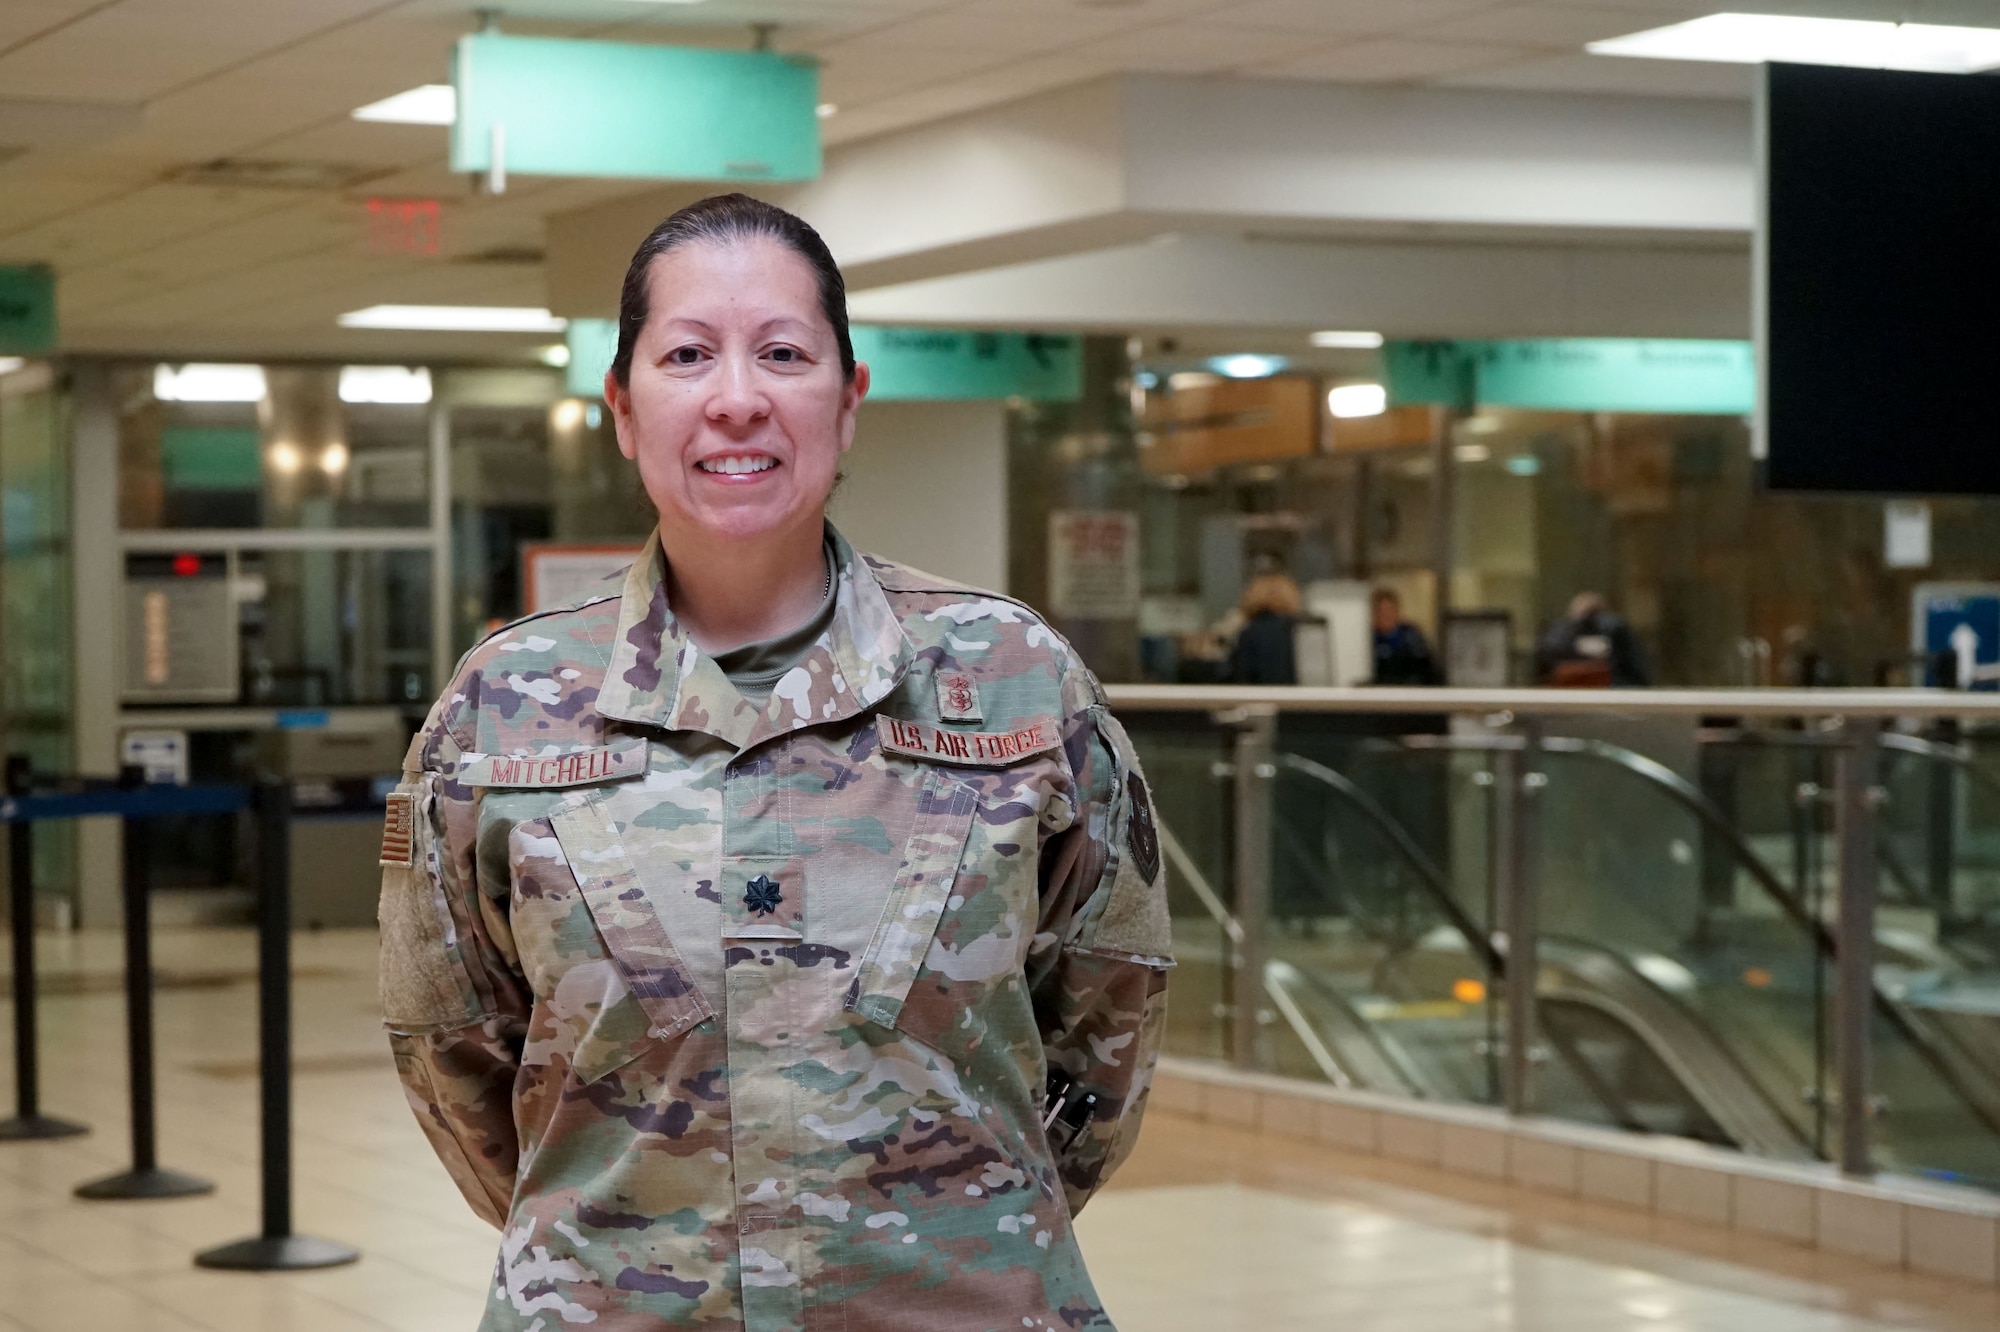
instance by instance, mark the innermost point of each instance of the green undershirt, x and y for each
(756, 668)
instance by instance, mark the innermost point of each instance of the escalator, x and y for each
(1703, 1022)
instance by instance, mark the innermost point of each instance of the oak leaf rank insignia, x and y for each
(762, 895)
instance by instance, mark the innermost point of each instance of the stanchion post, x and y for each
(145, 1179)
(28, 1123)
(277, 1249)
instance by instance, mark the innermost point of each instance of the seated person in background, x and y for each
(1590, 648)
(1402, 656)
(1263, 651)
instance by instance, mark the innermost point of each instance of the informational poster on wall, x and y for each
(1094, 564)
(555, 574)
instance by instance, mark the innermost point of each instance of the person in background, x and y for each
(1402, 655)
(1263, 653)
(1592, 647)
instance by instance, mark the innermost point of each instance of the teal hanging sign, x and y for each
(941, 364)
(593, 345)
(1660, 375)
(554, 107)
(27, 309)
(904, 364)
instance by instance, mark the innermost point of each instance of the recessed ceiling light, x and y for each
(385, 384)
(825, 109)
(333, 459)
(456, 318)
(208, 383)
(1246, 365)
(1349, 401)
(1472, 453)
(1860, 43)
(9, 364)
(432, 104)
(1348, 340)
(555, 354)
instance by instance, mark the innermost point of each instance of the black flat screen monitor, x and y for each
(1880, 323)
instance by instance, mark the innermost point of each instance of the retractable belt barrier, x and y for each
(275, 1248)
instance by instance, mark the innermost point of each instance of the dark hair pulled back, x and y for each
(722, 218)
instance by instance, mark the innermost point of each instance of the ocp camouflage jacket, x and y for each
(739, 1018)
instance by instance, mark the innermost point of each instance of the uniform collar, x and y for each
(658, 677)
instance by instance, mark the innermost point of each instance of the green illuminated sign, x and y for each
(211, 457)
(1666, 375)
(904, 364)
(556, 107)
(27, 309)
(942, 364)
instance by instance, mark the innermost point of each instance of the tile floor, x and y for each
(1208, 1228)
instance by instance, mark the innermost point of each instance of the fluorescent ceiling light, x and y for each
(1863, 44)
(9, 364)
(1472, 453)
(432, 104)
(1348, 401)
(555, 354)
(208, 383)
(385, 384)
(1347, 340)
(456, 318)
(1247, 366)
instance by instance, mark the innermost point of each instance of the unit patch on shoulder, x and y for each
(958, 697)
(399, 832)
(1140, 835)
(976, 748)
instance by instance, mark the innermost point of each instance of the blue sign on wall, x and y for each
(1960, 621)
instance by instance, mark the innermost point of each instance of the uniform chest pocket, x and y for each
(959, 918)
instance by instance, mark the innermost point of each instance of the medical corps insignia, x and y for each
(1140, 836)
(958, 697)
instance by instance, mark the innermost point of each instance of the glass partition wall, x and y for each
(1356, 886)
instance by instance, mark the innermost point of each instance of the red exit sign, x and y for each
(405, 226)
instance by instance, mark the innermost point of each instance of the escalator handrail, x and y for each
(1691, 798)
(1427, 871)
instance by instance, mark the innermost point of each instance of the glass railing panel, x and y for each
(1381, 971)
(1186, 758)
(1684, 973)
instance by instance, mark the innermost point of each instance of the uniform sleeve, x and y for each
(1100, 996)
(452, 995)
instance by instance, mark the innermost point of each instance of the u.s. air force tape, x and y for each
(975, 748)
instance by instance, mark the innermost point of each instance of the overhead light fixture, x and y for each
(555, 354)
(1472, 453)
(567, 414)
(1247, 366)
(385, 384)
(333, 459)
(825, 109)
(432, 104)
(208, 383)
(1860, 43)
(456, 318)
(1183, 380)
(285, 458)
(1349, 401)
(1346, 340)
(9, 364)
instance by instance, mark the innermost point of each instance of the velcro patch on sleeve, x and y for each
(399, 832)
(576, 767)
(985, 749)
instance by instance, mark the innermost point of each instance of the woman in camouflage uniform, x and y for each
(776, 939)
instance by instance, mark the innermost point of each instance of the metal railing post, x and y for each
(1521, 778)
(1256, 772)
(1859, 800)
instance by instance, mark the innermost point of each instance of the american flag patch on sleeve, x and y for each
(399, 831)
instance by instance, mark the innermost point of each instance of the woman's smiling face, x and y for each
(736, 408)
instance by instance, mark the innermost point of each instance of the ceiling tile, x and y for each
(1611, 74)
(1190, 48)
(1556, 25)
(1393, 60)
(1340, 17)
